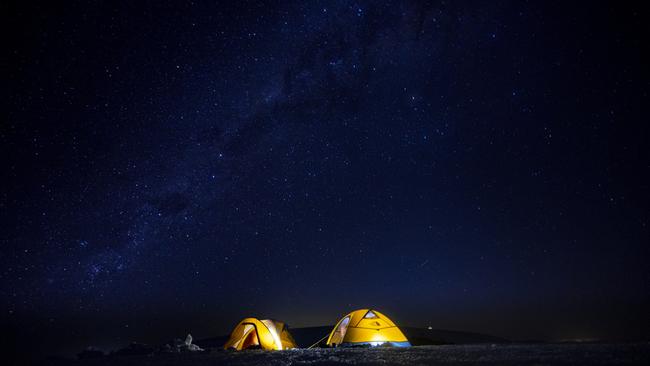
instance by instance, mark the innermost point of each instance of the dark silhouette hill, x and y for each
(424, 336)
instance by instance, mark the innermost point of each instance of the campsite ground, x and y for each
(485, 354)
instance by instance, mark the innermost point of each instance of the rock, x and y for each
(188, 346)
(181, 346)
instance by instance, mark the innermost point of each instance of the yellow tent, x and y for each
(366, 327)
(265, 334)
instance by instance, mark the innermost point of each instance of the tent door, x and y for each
(251, 340)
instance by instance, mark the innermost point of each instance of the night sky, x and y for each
(172, 167)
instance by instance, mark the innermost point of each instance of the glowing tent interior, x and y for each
(264, 334)
(366, 327)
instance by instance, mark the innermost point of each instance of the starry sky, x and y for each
(171, 167)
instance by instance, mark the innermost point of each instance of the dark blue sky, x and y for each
(173, 167)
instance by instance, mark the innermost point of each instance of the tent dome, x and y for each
(366, 327)
(265, 334)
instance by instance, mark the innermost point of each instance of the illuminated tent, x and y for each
(366, 327)
(265, 334)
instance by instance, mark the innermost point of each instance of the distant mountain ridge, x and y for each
(424, 336)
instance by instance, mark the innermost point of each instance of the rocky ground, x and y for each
(484, 354)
